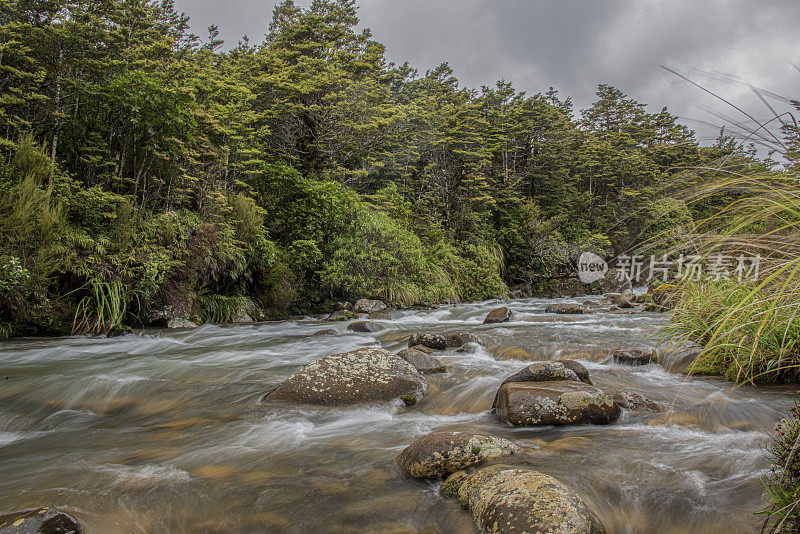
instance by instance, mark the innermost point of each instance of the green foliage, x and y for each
(748, 333)
(381, 259)
(298, 170)
(224, 309)
(103, 309)
(783, 481)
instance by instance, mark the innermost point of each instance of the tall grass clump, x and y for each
(746, 323)
(103, 309)
(220, 309)
(750, 331)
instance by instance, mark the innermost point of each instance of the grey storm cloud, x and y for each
(574, 45)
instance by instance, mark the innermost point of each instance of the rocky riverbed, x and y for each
(225, 429)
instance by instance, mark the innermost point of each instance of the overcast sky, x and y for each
(575, 44)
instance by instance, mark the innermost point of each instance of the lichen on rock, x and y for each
(364, 375)
(439, 454)
(506, 500)
(554, 403)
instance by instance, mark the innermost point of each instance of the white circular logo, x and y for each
(591, 267)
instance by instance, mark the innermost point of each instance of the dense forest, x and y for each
(147, 172)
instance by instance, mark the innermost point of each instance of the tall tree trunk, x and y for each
(57, 102)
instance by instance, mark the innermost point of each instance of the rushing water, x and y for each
(163, 432)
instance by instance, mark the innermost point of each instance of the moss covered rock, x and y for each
(563, 402)
(506, 500)
(39, 521)
(439, 454)
(364, 375)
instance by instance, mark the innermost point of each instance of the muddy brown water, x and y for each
(162, 431)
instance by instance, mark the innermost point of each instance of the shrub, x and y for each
(379, 258)
(783, 481)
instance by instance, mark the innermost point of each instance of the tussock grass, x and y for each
(750, 332)
(103, 309)
(220, 309)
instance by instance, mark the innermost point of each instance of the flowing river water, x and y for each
(163, 432)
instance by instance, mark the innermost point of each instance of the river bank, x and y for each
(163, 431)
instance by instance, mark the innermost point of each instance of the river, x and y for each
(162, 431)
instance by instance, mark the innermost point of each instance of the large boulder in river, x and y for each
(369, 306)
(505, 500)
(364, 327)
(39, 521)
(564, 308)
(364, 375)
(440, 454)
(433, 341)
(498, 315)
(459, 339)
(540, 372)
(563, 402)
(424, 363)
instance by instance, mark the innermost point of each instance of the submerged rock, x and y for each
(458, 339)
(342, 315)
(369, 306)
(433, 341)
(363, 375)
(423, 348)
(39, 521)
(498, 315)
(563, 402)
(635, 401)
(439, 454)
(564, 308)
(364, 327)
(635, 356)
(424, 363)
(326, 332)
(506, 500)
(511, 353)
